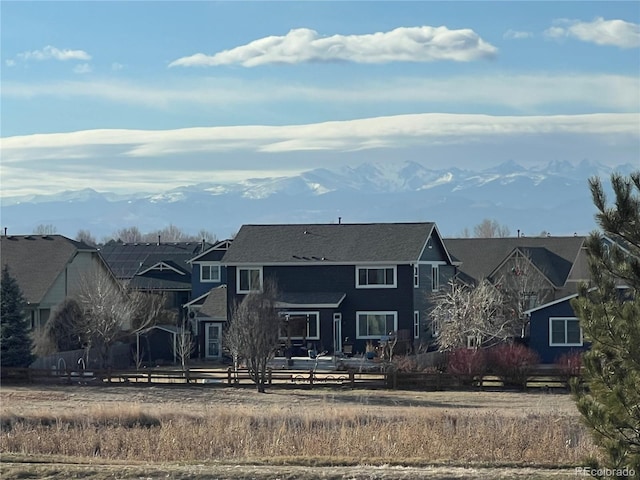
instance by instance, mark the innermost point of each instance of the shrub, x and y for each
(569, 364)
(466, 364)
(512, 363)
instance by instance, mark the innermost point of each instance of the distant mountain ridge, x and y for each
(554, 198)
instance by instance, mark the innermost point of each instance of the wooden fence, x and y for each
(540, 379)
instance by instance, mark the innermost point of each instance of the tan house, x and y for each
(48, 269)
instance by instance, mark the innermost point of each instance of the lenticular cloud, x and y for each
(405, 44)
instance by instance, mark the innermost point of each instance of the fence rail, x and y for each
(544, 379)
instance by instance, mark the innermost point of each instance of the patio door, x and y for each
(213, 340)
(337, 332)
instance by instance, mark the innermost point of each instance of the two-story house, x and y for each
(207, 312)
(343, 285)
(49, 269)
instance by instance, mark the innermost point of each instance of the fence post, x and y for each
(109, 375)
(310, 379)
(229, 376)
(149, 376)
(352, 379)
(269, 376)
(186, 375)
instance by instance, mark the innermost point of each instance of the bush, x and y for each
(512, 363)
(569, 364)
(466, 364)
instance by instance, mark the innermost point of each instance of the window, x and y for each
(435, 327)
(378, 277)
(565, 332)
(209, 272)
(249, 280)
(416, 324)
(474, 341)
(300, 325)
(416, 276)
(376, 324)
(435, 278)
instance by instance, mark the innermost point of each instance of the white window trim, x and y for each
(416, 324)
(211, 280)
(377, 267)
(375, 337)
(416, 276)
(564, 319)
(315, 337)
(238, 270)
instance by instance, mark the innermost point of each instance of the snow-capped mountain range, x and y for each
(554, 198)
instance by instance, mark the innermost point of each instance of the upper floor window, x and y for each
(435, 278)
(565, 332)
(416, 276)
(416, 324)
(210, 272)
(249, 279)
(376, 277)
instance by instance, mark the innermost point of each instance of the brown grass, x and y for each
(332, 428)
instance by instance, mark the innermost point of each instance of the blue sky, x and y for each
(144, 96)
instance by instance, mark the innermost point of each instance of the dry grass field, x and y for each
(198, 432)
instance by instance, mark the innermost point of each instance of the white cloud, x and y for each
(53, 53)
(115, 66)
(82, 68)
(392, 131)
(136, 160)
(523, 93)
(516, 35)
(405, 44)
(618, 33)
(10, 63)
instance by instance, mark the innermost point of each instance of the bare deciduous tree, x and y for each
(107, 313)
(463, 313)
(129, 235)
(43, 229)
(253, 333)
(183, 346)
(523, 286)
(205, 235)
(86, 237)
(490, 229)
(148, 309)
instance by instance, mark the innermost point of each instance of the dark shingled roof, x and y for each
(36, 261)
(554, 256)
(127, 259)
(336, 243)
(215, 305)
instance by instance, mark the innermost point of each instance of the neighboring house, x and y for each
(158, 268)
(555, 330)
(343, 285)
(48, 269)
(536, 270)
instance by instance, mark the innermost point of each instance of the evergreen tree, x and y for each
(610, 318)
(15, 341)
